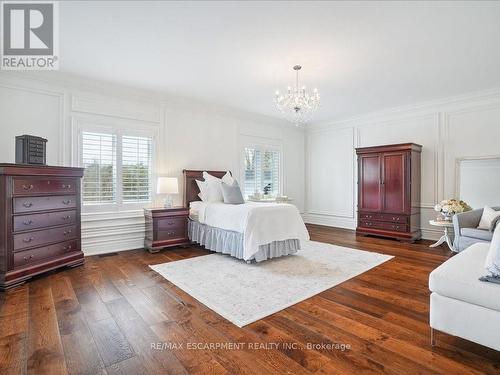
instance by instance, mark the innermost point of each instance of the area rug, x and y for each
(244, 293)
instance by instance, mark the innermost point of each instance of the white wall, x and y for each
(193, 135)
(449, 129)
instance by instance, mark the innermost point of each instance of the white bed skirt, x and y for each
(229, 242)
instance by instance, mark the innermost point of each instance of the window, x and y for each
(261, 171)
(136, 169)
(118, 170)
(99, 161)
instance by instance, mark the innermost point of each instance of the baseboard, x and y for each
(330, 221)
(112, 246)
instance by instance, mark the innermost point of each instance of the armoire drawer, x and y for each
(30, 204)
(395, 227)
(37, 221)
(393, 218)
(33, 186)
(25, 258)
(41, 237)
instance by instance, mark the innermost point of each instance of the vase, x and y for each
(447, 216)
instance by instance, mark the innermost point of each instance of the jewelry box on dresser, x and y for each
(40, 221)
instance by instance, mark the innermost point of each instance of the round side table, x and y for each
(445, 237)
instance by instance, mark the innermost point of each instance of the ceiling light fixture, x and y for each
(297, 105)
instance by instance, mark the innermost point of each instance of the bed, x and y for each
(251, 231)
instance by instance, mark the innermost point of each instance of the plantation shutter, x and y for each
(136, 169)
(262, 171)
(99, 161)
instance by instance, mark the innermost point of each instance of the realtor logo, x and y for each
(30, 39)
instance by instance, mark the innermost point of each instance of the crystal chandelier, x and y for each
(297, 105)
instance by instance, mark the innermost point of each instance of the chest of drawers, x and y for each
(39, 221)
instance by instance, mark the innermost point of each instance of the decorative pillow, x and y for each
(492, 263)
(489, 219)
(232, 193)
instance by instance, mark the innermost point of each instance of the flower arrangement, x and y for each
(450, 207)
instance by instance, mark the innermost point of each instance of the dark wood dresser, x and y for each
(389, 191)
(40, 221)
(165, 227)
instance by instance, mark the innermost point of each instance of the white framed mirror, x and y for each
(478, 181)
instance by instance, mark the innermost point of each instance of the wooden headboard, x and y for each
(191, 189)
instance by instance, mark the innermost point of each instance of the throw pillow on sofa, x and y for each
(492, 263)
(489, 219)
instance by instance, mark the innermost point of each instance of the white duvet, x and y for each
(260, 223)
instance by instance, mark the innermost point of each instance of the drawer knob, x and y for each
(171, 223)
(28, 187)
(26, 258)
(66, 186)
(27, 204)
(28, 240)
(67, 232)
(67, 217)
(170, 233)
(28, 222)
(66, 202)
(67, 248)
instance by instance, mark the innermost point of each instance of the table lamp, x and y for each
(168, 186)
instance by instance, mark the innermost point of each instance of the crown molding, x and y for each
(79, 85)
(452, 104)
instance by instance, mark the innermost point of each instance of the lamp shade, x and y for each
(167, 185)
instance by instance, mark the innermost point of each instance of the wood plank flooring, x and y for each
(104, 317)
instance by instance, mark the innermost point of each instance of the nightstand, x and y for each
(165, 227)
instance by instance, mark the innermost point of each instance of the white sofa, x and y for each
(463, 306)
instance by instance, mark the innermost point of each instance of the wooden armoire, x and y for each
(389, 191)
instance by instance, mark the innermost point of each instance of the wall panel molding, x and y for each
(117, 108)
(444, 115)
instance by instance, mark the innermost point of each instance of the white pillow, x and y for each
(214, 187)
(203, 186)
(488, 219)
(492, 263)
(228, 179)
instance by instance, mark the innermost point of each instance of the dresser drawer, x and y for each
(33, 186)
(27, 257)
(30, 204)
(41, 237)
(36, 221)
(169, 223)
(171, 234)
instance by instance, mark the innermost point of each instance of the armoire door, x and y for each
(394, 182)
(369, 177)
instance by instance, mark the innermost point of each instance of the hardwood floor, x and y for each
(104, 317)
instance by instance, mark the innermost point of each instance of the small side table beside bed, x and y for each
(166, 227)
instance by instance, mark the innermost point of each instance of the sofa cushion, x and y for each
(480, 234)
(458, 278)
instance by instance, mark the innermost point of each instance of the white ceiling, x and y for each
(363, 56)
